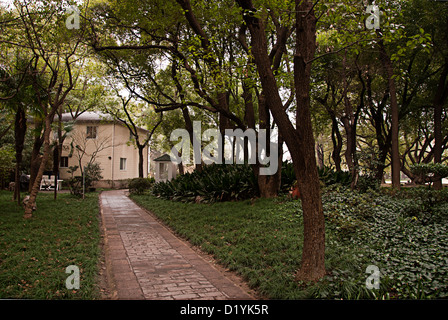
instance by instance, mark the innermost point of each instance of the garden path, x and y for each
(145, 260)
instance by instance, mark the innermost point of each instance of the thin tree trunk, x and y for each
(140, 160)
(35, 187)
(19, 132)
(395, 152)
(35, 154)
(313, 252)
(439, 100)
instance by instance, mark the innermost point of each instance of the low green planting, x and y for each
(35, 253)
(404, 235)
(215, 182)
(222, 182)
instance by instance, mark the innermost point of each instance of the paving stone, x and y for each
(148, 262)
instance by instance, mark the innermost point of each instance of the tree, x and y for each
(55, 50)
(300, 140)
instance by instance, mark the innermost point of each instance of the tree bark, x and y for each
(19, 133)
(336, 138)
(35, 187)
(141, 160)
(313, 253)
(36, 159)
(395, 152)
(439, 100)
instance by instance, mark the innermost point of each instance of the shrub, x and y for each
(140, 185)
(216, 182)
(329, 176)
(425, 171)
(92, 173)
(367, 183)
(288, 176)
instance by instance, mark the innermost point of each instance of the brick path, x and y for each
(146, 261)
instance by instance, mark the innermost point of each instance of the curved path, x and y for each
(144, 260)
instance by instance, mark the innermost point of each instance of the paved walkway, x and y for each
(144, 260)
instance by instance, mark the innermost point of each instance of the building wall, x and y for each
(112, 142)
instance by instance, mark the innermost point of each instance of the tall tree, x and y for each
(300, 140)
(56, 51)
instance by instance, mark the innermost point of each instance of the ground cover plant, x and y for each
(215, 182)
(34, 253)
(405, 235)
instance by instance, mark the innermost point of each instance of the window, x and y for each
(91, 132)
(64, 162)
(122, 164)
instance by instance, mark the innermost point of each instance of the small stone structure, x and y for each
(165, 169)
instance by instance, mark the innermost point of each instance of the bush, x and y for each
(92, 173)
(426, 171)
(140, 185)
(288, 176)
(329, 177)
(367, 183)
(216, 182)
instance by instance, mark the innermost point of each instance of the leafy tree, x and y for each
(41, 31)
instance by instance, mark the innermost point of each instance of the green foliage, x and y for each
(346, 210)
(329, 176)
(140, 185)
(214, 183)
(409, 243)
(92, 173)
(367, 183)
(7, 158)
(288, 176)
(428, 170)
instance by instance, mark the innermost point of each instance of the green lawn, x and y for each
(35, 253)
(405, 236)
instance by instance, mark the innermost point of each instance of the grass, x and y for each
(35, 253)
(261, 240)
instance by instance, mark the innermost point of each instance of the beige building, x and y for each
(97, 138)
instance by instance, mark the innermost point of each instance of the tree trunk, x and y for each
(35, 154)
(336, 138)
(267, 185)
(36, 184)
(189, 128)
(300, 141)
(58, 155)
(439, 100)
(141, 161)
(395, 152)
(19, 132)
(313, 253)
